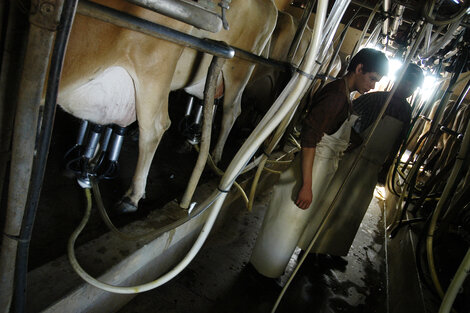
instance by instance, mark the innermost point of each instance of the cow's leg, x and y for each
(152, 126)
(235, 80)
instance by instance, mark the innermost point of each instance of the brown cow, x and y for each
(109, 71)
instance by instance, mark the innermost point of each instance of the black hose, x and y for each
(39, 165)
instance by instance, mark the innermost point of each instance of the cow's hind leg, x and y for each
(235, 80)
(152, 126)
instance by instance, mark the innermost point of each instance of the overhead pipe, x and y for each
(209, 92)
(386, 6)
(216, 48)
(184, 11)
(44, 20)
(427, 38)
(283, 104)
(397, 20)
(128, 21)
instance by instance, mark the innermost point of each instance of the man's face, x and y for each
(367, 81)
(407, 86)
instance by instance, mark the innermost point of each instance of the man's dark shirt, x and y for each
(328, 111)
(369, 105)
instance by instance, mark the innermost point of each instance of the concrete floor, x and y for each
(219, 279)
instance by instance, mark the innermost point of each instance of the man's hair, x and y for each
(372, 61)
(414, 73)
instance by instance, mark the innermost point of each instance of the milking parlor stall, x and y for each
(141, 139)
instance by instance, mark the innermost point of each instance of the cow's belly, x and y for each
(107, 98)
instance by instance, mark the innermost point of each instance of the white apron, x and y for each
(284, 222)
(355, 197)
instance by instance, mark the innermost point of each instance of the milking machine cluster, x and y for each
(96, 152)
(190, 125)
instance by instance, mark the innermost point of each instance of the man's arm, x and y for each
(304, 197)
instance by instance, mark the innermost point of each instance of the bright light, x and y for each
(394, 67)
(428, 86)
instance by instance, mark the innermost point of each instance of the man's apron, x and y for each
(284, 222)
(354, 199)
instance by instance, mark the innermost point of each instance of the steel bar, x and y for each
(125, 20)
(44, 22)
(187, 12)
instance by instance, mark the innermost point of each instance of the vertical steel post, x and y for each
(44, 20)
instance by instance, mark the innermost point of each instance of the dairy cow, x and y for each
(113, 76)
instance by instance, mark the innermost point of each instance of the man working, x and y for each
(325, 135)
(351, 204)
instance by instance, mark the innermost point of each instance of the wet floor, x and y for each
(220, 279)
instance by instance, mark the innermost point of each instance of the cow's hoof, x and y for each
(125, 206)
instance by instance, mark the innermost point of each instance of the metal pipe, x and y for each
(300, 30)
(32, 80)
(248, 56)
(209, 92)
(128, 21)
(66, 11)
(14, 47)
(386, 5)
(217, 48)
(184, 11)
(398, 19)
(366, 27)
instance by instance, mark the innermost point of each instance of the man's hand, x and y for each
(304, 197)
